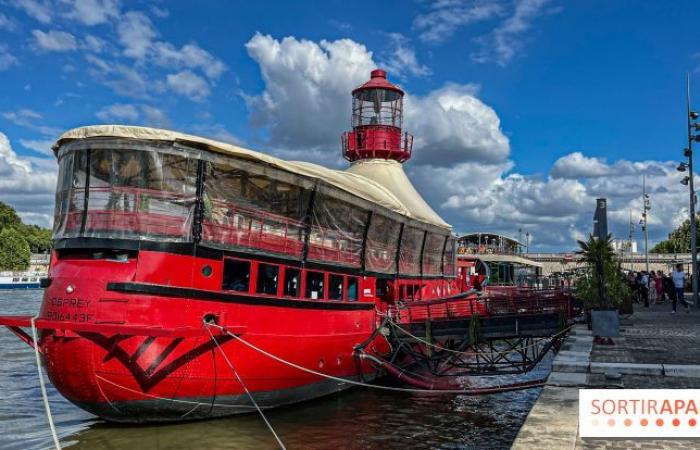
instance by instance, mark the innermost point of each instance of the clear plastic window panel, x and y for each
(337, 230)
(70, 194)
(141, 194)
(411, 244)
(382, 244)
(449, 259)
(432, 255)
(253, 207)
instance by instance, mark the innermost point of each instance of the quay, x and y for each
(655, 350)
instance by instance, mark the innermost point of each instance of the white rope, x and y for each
(344, 380)
(45, 397)
(245, 388)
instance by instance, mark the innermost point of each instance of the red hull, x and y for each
(137, 378)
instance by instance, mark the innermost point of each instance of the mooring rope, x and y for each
(478, 391)
(245, 388)
(44, 396)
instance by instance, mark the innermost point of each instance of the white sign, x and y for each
(639, 413)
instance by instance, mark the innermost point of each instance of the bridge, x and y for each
(564, 262)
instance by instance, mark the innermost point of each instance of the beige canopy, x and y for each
(381, 182)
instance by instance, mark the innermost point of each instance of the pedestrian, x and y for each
(659, 286)
(644, 287)
(669, 288)
(652, 287)
(678, 277)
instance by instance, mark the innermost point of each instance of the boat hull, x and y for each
(149, 375)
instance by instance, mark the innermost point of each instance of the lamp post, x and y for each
(646, 206)
(693, 125)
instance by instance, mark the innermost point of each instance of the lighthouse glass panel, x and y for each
(377, 107)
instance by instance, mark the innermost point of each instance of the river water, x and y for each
(356, 419)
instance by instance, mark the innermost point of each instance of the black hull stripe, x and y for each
(199, 294)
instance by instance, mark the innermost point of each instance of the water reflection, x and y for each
(356, 419)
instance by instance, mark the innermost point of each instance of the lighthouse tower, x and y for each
(377, 147)
(377, 113)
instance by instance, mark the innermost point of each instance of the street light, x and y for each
(688, 181)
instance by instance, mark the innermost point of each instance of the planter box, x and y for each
(605, 323)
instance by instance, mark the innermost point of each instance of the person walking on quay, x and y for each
(678, 277)
(659, 286)
(652, 287)
(643, 281)
(669, 287)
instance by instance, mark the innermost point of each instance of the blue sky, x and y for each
(524, 111)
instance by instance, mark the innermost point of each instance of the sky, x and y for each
(523, 111)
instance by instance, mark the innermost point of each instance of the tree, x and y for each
(8, 217)
(602, 285)
(39, 239)
(678, 240)
(14, 250)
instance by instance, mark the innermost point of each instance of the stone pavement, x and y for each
(656, 350)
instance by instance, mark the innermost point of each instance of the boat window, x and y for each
(267, 279)
(411, 245)
(432, 254)
(136, 191)
(352, 289)
(449, 258)
(292, 282)
(314, 285)
(142, 194)
(33, 280)
(15, 280)
(25, 280)
(236, 275)
(70, 194)
(335, 287)
(254, 206)
(382, 242)
(337, 230)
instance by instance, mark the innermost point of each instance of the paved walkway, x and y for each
(656, 350)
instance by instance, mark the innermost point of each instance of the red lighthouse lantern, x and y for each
(377, 114)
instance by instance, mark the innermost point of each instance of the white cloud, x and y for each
(29, 190)
(6, 23)
(54, 41)
(30, 119)
(136, 33)
(92, 12)
(446, 16)
(118, 112)
(401, 60)
(38, 9)
(155, 117)
(93, 43)
(42, 146)
(306, 101)
(7, 59)
(161, 13)
(189, 85)
(122, 79)
(191, 56)
(452, 125)
(503, 43)
(134, 114)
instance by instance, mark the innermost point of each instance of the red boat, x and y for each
(177, 259)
